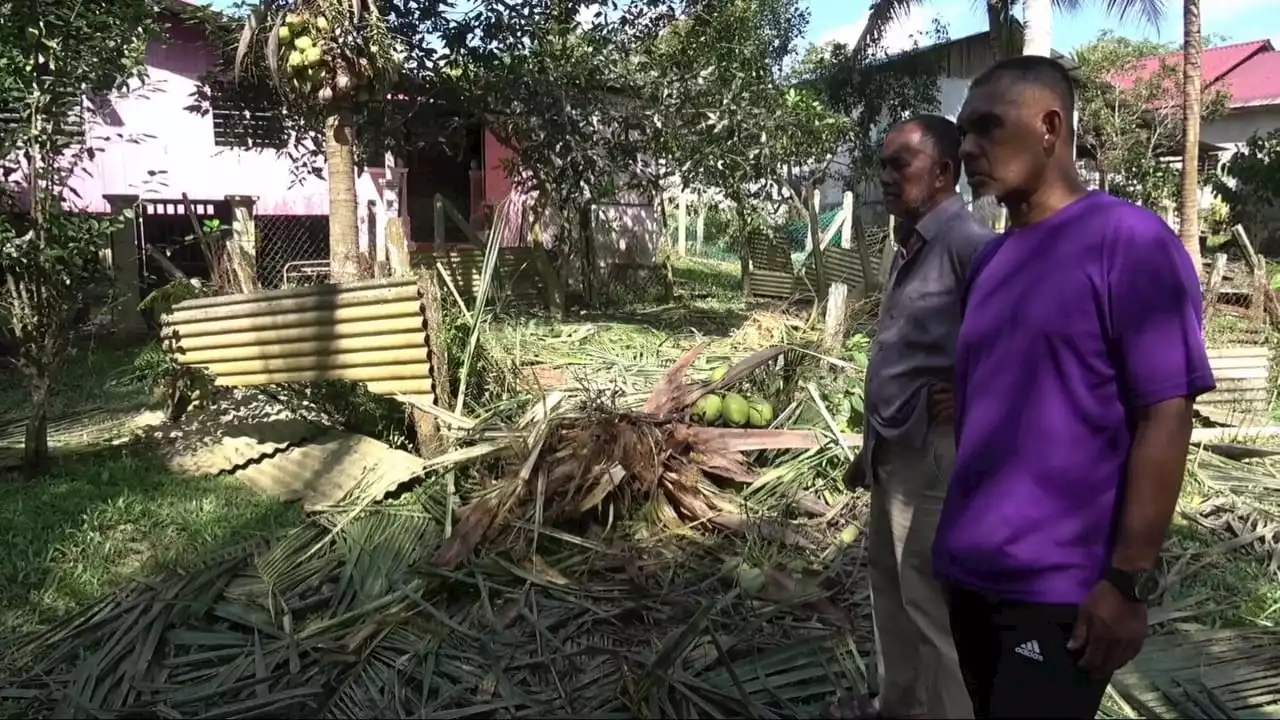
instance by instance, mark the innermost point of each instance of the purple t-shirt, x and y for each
(1070, 326)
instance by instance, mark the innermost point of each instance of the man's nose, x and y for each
(968, 148)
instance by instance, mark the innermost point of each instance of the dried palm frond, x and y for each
(354, 625)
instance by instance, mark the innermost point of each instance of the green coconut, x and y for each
(736, 410)
(311, 56)
(707, 409)
(760, 413)
(304, 43)
(718, 374)
(295, 60)
(285, 34)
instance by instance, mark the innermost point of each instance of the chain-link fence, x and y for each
(292, 250)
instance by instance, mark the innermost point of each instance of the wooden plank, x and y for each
(1240, 373)
(1240, 383)
(1239, 362)
(1237, 352)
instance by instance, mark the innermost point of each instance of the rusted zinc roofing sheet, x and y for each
(335, 467)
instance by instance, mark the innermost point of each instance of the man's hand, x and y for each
(1109, 631)
(855, 476)
(942, 404)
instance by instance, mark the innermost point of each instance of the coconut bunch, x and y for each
(606, 466)
(731, 409)
(334, 51)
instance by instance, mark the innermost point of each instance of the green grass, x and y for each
(95, 520)
(700, 278)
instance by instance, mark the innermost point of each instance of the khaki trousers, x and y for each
(919, 674)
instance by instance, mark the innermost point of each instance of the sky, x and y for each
(1237, 20)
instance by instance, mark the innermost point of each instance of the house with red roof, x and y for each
(1249, 74)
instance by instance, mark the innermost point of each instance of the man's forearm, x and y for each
(1157, 462)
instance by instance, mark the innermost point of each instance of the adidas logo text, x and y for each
(1030, 649)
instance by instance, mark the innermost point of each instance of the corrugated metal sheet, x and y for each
(335, 467)
(243, 444)
(842, 265)
(770, 284)
(1243, 396)
(768, 254)
(523, 275)
(370, 332)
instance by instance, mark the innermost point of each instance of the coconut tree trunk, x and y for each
(344, 230)
(1189, 208)
(1037, 26)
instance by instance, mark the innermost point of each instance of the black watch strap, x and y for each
(1134, 585)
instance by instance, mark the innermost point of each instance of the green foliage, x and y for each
(162, 299)
(872, 90)
(1128, 129)
(59, 64)
(1250, 181)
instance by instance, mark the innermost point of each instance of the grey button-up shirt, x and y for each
(915, 343)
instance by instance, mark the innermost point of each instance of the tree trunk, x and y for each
(1000, 30)
(1037, 26)
(35, 451)
(344, 228)
(1189, 207)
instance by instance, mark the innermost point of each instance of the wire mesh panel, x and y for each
(292, 250)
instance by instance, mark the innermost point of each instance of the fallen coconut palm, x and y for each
(605, 464)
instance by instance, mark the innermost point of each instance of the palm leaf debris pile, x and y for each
(353, 622)
(614, 564)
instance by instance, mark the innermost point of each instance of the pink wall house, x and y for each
(175, 151)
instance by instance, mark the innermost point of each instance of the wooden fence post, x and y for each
(838, 295)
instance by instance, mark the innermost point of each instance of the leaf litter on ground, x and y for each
(610, 559)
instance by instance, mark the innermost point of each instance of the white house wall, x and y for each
(951, 94)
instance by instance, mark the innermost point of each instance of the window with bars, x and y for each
(240, 126)
(1208, 169)
(71, 130)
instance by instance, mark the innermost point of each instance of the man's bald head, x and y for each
(1017, 127)
(1032, 73)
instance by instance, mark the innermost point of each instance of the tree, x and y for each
(734, 120)
(1189, 207)
(572, 98)
(60, 64)
(327, 56)
(1250, 184)
(1131, 115)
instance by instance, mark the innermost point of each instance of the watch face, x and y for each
(1146, 585)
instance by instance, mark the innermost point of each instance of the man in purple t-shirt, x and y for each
(1078, 361)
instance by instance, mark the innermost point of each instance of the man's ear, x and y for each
(948, 174)
(1053, 127)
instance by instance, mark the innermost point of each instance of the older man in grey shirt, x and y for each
(909, 438)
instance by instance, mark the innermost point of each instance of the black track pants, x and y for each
(1015, 660)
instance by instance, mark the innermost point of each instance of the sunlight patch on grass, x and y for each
(97, 521)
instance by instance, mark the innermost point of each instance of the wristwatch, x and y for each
(1136, 585)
